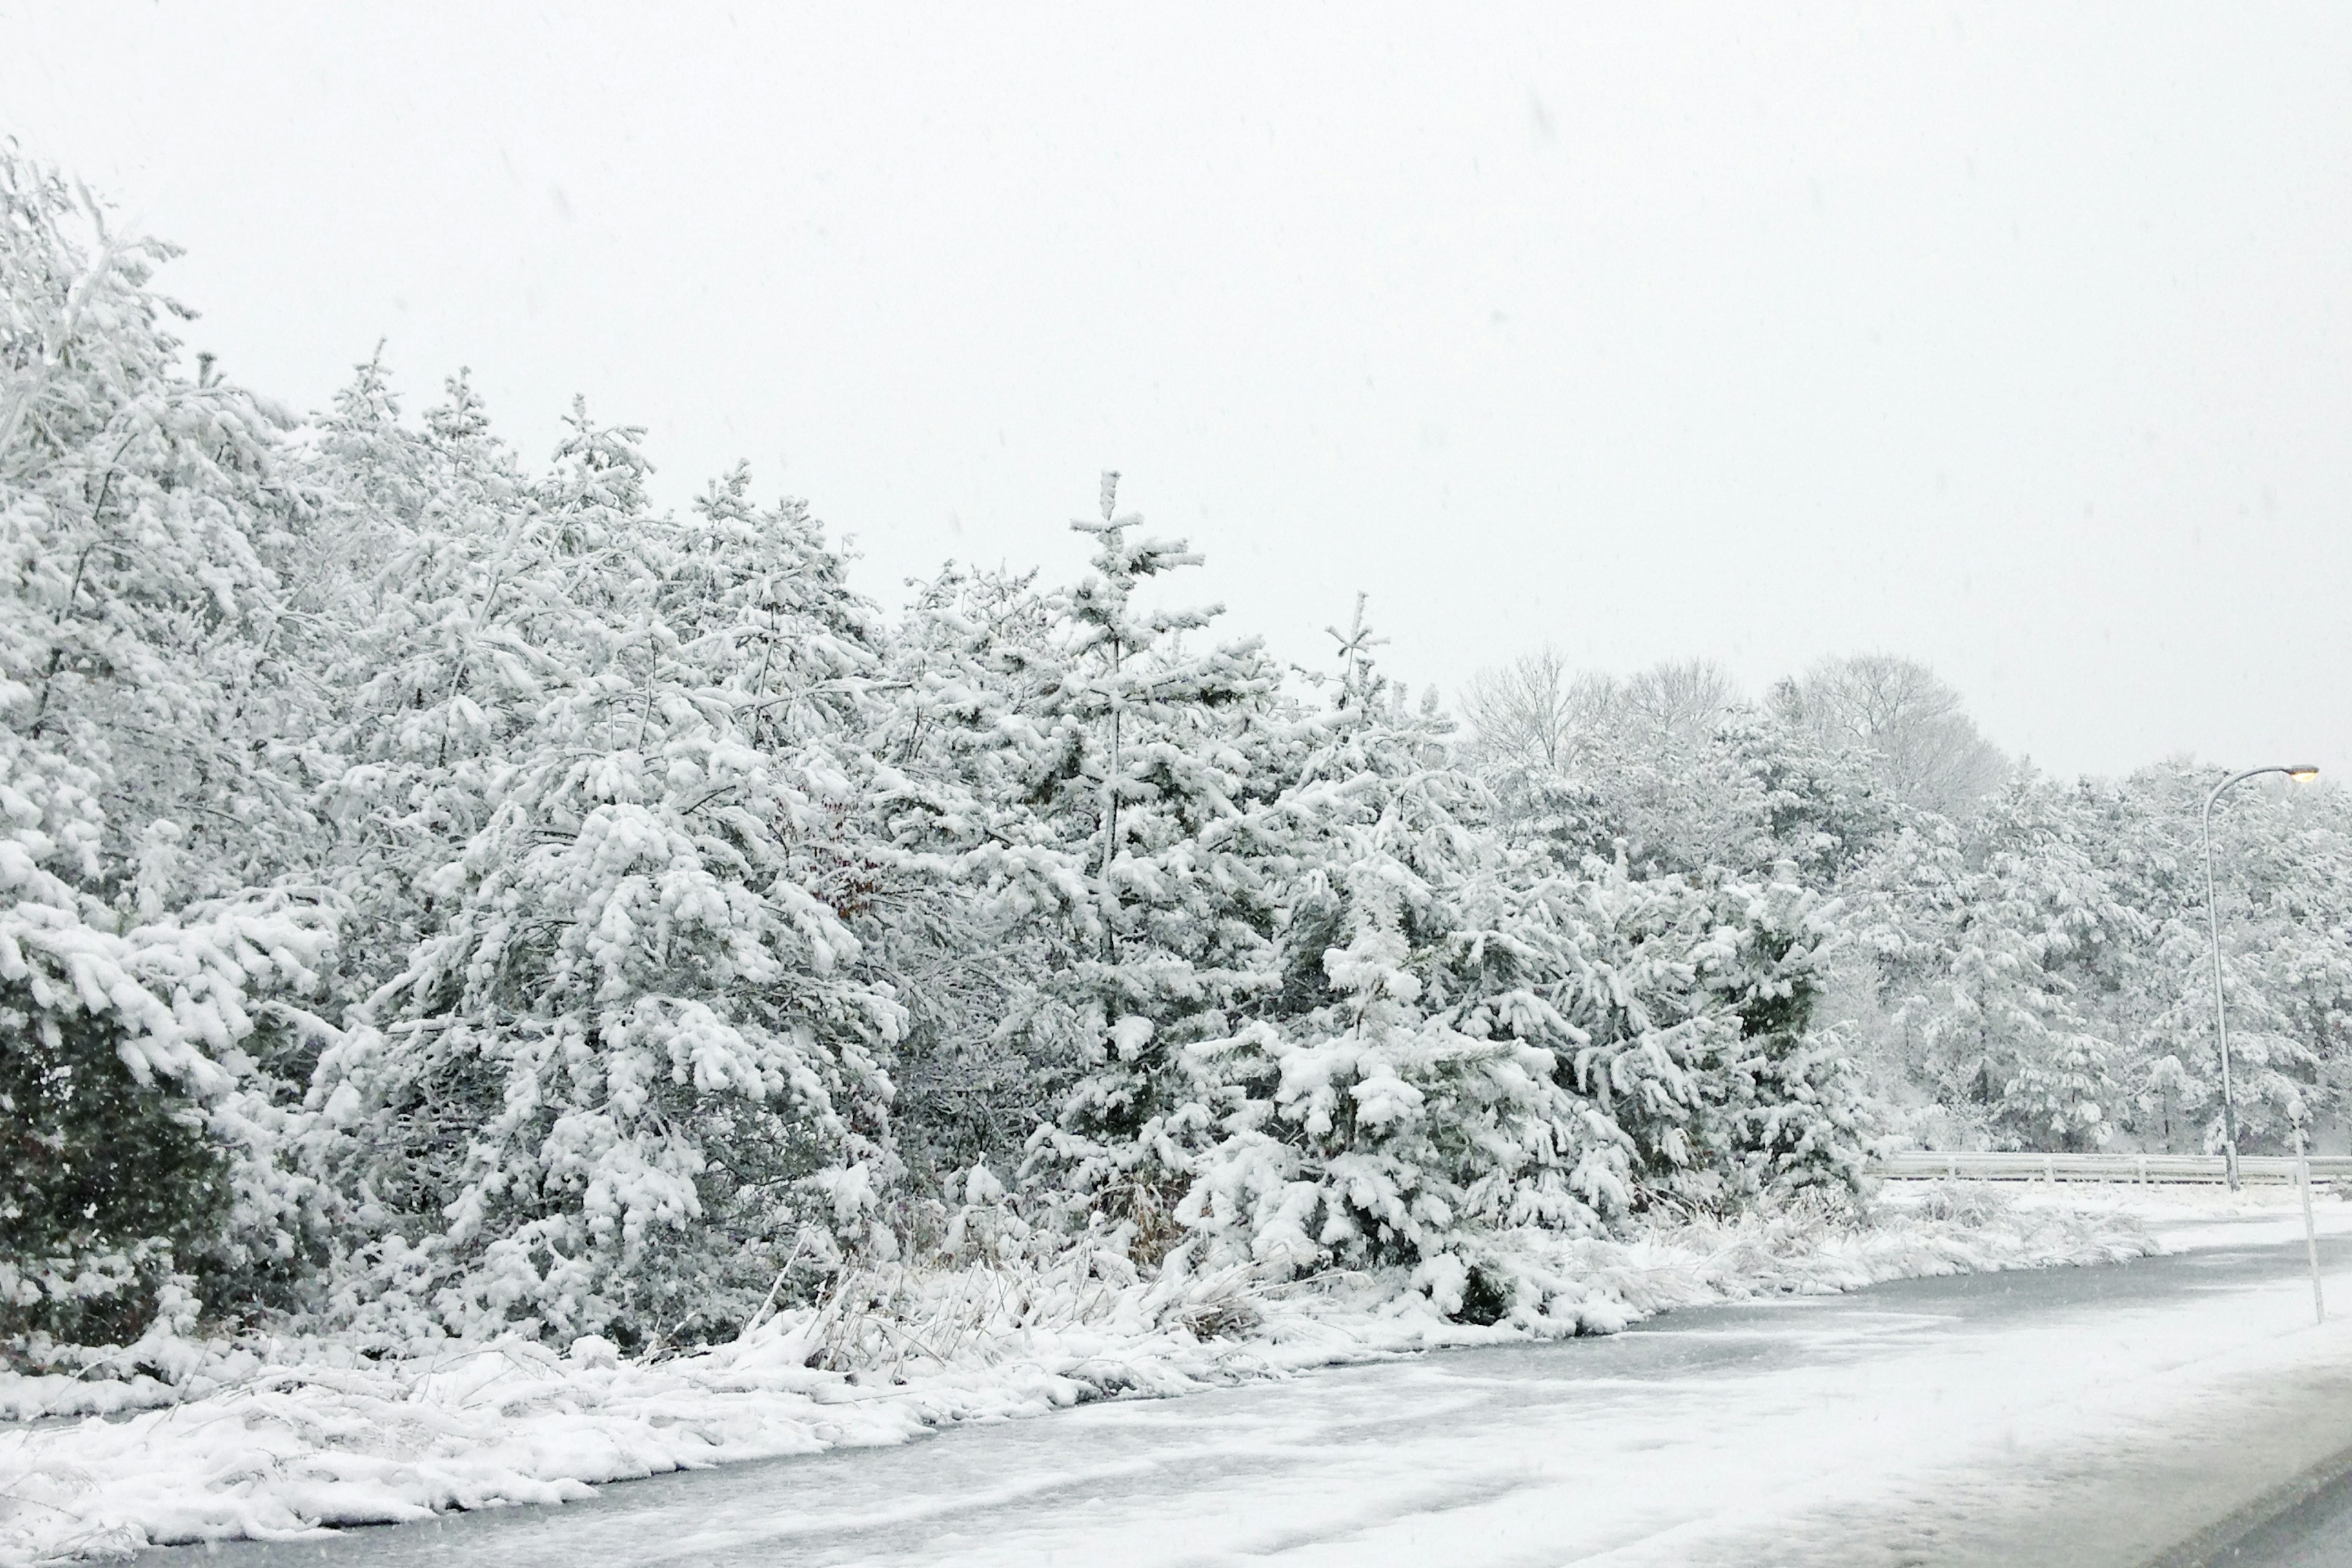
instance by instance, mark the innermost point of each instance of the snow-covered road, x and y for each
(2078, 1416)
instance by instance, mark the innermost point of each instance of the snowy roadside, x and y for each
(281, 1440)
(2186, 1218)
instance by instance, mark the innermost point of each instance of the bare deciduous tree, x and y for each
(1679, 702)
(1530, 711)
(1930, 753)
(1535, 712)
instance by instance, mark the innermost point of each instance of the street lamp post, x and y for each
(2302, 773)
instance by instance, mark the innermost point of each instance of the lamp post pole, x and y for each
(2301, 772)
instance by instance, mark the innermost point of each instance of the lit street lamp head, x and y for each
(2304, 772)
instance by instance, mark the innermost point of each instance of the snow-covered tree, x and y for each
(1133, 765)
(144, 789)
(638, 1063)
(1471, 1042)
(1999, 945)
(2281, 867)
(991, 896)
(1929, 752)
(1401, 1098)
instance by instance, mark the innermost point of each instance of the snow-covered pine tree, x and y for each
(1785, 1104)
(435, 567)
(1815, 809)
(1140, 764)
(1678, 842)
(137, 636)
(1399, 1100)
(991, 895)
(2302, 939)
(639, 1062)
(2282, 868)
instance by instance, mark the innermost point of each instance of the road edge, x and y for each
(2209, 1545)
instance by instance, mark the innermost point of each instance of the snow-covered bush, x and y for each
(1400, 1096)
(638, 1059)
(143, 1141)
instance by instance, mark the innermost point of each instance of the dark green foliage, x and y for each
(1486, 1298)
(111, 1184)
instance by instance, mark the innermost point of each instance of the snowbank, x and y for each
(288, 1439)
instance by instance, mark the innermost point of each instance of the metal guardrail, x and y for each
(1929, 1165)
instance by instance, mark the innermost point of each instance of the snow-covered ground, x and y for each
(2182, 1217)
(288, 1445)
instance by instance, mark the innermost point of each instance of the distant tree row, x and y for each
(2021, 961)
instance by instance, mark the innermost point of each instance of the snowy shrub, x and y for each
(113, 1181)
(146, 1144)
(1467, 1045)
(638, 1058)
(1400, 1097)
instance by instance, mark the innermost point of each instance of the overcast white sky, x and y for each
(2013, 339)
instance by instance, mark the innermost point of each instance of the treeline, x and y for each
(2023, 961)
(450, 897)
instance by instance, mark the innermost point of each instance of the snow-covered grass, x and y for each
(285, 1437)
(2185, 1217)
